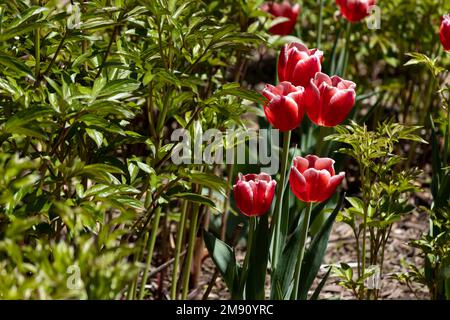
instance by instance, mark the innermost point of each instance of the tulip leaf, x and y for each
(255, 285)
(315, 253)
(284, 271)
(322, 283)
(225, 261)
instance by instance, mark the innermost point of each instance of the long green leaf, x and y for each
(256, 278)
(315, 253)
(225, 261)
(319, 288)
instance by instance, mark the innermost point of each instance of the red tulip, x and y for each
(312, 179)
(355, 10)
(297, 64)
(254, 193)
(285, 10)
(328, 101)
(445, 32)
(284, 108)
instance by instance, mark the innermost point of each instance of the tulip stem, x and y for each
(275, 228)
(347, 49)
(447, 137)
(251, 230)
(320, 25)
(303, 236)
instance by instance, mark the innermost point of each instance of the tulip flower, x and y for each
(297, 64)
(444, 33)
(285, 10)
(284, 108)
(328, 101)
(254, 193)
(313, 179)
(355, 10)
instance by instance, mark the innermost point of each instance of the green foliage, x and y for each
(385, 192)
(435, 246)
(89, 95)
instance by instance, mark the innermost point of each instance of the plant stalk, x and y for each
(303, 237)
(151, 247)
(179, 243)
(320, 24)
(191, 245)
(251, 231)
(275, 228)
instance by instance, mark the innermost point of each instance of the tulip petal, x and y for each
(264, 176)
(334, 182)
(316, 182)
(243, 196)
(312, 101)
(282, 113)
(301, 164)
(312, 160)
(298, 184)
(259, 204)
(282, 62)
(339, 108)
(305, 70)
(325, 164)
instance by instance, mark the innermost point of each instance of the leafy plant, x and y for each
(384, 195)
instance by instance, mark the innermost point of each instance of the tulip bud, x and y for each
(312, 179)
(444, 33)
(254, 193)
(328, 101)
(355, 10)
(297, 64)
(284, 108)
(285, 10)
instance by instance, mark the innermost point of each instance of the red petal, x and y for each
(339, 107)
(335, 181)
(312, 101)
(282, 62)
(243, 196)
(298, 184)
(301, 164)
(325, 164)
(305, 70)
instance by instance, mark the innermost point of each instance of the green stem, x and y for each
(108, 49)
(37, 53)
(320, 142)
(320, 24)
(133, 288)
(251, 230)
(275, 228)
(347, 48)
(226, 202)
(60, 45)
(366, 209)
(190, 252)
(151, 247)
(150, 115)
(303, 237)
(447, 136)
(180, 236)
(163, 115)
